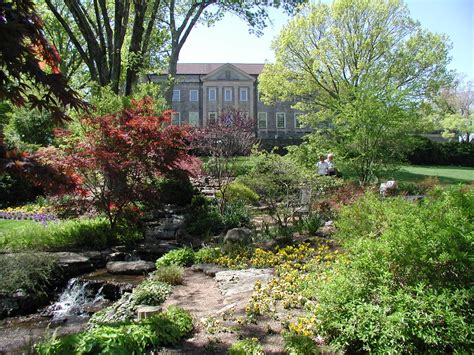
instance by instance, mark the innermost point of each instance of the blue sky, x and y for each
(229, 40)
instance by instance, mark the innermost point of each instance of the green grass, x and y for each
(11, 225)
(63, 235)
(446, 174)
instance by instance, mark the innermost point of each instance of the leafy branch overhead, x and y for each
(29, 64)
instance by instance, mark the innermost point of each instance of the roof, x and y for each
(206, 68)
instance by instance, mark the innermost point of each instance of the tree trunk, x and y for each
(135, 45)
(172, 70)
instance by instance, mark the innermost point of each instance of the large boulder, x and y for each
(139, 267)
(238, 236)
(73, 264)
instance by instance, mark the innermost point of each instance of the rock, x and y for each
(232, 282)
(130, 267)
(164, 228)
(117, 256)
(207, 269)
(388, 188)
(96, 257)
(238, 236)
(73, 264)
(325, 231)
(152, 251)
(122, 310)
(20, 302)
(144, 312)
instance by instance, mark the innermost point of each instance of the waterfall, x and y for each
(75, 300)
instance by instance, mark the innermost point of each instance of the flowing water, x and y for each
(68, 315)
(76, 301)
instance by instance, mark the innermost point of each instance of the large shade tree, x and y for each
(119, 39)
(360, 70)
(103, 32)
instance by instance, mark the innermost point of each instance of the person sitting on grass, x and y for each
(322, 166)
(331, 165)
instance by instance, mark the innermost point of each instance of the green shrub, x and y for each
(151, 293)
(80, 233)
(428, 152)
(164, 329)
(410, 188)
(183, 257)
(170, 274)
(176, 190)
(204, 218)
(404, 283)
(250, 346)
(299, 345)
(16, 189)
(236, 191)
(207, 255)
(310, 224)
(30, 272)
(235, 215)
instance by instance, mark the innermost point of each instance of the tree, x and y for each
(182, 16)
(453, 108)
(72, 66)
(360, 69)
(115, 160)
(29, 64)
(100, 31)
(230, 136)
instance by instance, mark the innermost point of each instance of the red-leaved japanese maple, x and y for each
(113, 165)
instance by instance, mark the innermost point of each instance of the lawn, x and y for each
(63, 235)
(11, 225)
(446, 174)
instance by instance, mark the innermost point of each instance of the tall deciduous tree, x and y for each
(453, 109)
(359, 69)
(102, 31)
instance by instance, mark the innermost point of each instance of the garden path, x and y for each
(218, 319)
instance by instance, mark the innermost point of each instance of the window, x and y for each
(244, 94)
(228, 94)
(193, 95)
(194, 119)
(176, 95)
(212, 117)
(176, 118)
(262, 120)
(281, 120)
(297, 120)
(212, 94)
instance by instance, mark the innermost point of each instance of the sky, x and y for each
(230, 42)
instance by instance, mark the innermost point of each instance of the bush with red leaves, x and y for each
(114, 164)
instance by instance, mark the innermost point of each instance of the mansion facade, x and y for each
(203, 91)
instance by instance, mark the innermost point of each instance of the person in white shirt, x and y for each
(322, 166)
(331, 165)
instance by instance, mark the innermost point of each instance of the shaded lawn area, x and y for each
(446, 174)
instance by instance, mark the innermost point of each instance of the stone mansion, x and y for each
(203, 91)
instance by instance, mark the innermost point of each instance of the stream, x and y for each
(68, 314)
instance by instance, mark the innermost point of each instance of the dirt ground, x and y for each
(218, 320)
